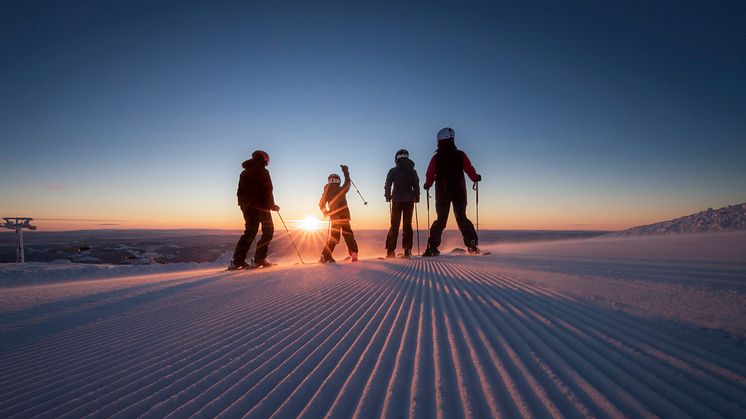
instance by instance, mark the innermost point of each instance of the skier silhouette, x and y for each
(406, 192)
(333, 204)
(446, 171)
(256, 199)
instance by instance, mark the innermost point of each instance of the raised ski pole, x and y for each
(356, 189)
(358, 192)
(476, 189)
(291, 238)
(417, 224)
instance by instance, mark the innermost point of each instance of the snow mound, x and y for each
(730, 218)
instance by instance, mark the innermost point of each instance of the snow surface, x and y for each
(599, 327)
(63, 270)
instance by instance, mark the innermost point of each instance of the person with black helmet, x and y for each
(333, 204)
(406, 192)
(446, 171)
(255, 198)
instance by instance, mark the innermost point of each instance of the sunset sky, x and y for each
(594, 115)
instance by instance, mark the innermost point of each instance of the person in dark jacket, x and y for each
(446, 170)
(256, 200)
(406, 192)
(333, 204)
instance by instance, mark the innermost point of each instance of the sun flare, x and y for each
(310, 223)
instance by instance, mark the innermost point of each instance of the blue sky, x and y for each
(578, 115)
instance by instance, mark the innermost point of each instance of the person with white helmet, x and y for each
(406, 191)
(255, 198)
(446, 171)
(333, 204)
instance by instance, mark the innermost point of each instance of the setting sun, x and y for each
(310, 223)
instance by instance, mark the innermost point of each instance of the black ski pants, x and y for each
(252, 218)
(340, 228)
(400, 210)
(442, 208)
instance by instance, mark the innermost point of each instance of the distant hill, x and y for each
(730, 218)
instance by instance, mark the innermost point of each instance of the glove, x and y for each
(388, 198)
(426, 186)
(479, 178)
(345, 169)
(417, 200)
(275, 208)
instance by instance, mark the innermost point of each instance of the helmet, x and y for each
(446, 134)
(334, 178)
(260, 154)
(401, 154)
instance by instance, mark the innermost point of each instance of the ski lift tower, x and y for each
(18, 224)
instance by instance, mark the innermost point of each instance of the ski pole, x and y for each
(476, 189)
(355, 186)
(428, 208)
(417, 223)
(328, 235)
(291, 238)
(358, 192)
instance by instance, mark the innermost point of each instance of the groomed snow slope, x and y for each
(450, 337)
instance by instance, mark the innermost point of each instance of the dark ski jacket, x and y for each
(333, 202)
(405, 181)
(446, 170)
(255, 186)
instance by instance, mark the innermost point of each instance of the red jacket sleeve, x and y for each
(469, 169)
(430, 174)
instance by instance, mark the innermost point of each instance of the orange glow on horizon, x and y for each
(310, 224)
(498, 215)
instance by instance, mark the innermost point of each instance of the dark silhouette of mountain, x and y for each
(730, 218)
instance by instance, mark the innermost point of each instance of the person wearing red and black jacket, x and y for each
(333, 204)
(446, 171)
(256, 199)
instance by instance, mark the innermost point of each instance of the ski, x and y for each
(264, 265)
(400, 257)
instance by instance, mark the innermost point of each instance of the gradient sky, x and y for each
(582, 115)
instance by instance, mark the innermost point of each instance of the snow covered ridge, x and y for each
(730, 218)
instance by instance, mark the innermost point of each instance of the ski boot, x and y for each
(430, 252)
(473, 249)
(326, 259)
(255, 264)
(407, 254)
(390, 254)
(235, 266)
(353, 256)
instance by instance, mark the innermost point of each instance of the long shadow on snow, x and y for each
(584, 330)
(48, 309)
(731, 276)
(15, 338)
(694, 333)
